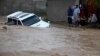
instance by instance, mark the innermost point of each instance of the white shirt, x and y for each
(76, 11)
(93, 18)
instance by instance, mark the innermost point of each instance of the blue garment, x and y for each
(70, 11)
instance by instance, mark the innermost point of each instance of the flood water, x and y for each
(58, 40)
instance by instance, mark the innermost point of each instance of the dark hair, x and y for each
(76, 6)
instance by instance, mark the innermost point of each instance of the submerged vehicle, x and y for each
(27, 19)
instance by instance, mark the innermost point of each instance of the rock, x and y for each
(4, 27)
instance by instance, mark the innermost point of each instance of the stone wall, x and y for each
(57, 9)
(9, 6)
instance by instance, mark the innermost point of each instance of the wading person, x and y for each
(76, 15)
(70, 15)
(92, 19)
(82, 17)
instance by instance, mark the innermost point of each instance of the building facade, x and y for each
(57, 9)
(9, 6)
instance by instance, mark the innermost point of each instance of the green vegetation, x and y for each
(94, 1)
(41, 13)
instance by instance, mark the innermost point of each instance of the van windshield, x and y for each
(31, 20)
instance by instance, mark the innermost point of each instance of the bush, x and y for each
(41, 13)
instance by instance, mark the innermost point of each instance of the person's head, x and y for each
(92, 13)
(80, 5)
(69, 6)
(76, 6)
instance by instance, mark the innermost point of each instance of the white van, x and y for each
(27, 19)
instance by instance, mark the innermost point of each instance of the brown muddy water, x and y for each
(58, 40)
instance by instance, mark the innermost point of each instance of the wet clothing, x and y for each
(76, 15)
(70, 14)
(82, 14)
(82, 17)
(83, 22)
(92, 19)
(69, 20)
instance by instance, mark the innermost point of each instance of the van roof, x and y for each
(14, 14)
(19, 15)
(24, 16)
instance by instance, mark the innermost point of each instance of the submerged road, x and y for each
(57, 40)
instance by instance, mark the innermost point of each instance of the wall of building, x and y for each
(9, 6)
(57, 9)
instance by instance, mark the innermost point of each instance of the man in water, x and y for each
(76, 13)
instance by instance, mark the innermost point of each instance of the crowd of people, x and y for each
(76, 16)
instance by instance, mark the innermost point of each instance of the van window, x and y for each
(31, 20)
(13, 21)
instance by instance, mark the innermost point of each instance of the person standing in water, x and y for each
(76, 13)
(70, 15)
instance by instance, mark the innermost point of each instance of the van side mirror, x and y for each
(40, 18)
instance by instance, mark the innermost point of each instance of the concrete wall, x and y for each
(57, 9)
(9, 6)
